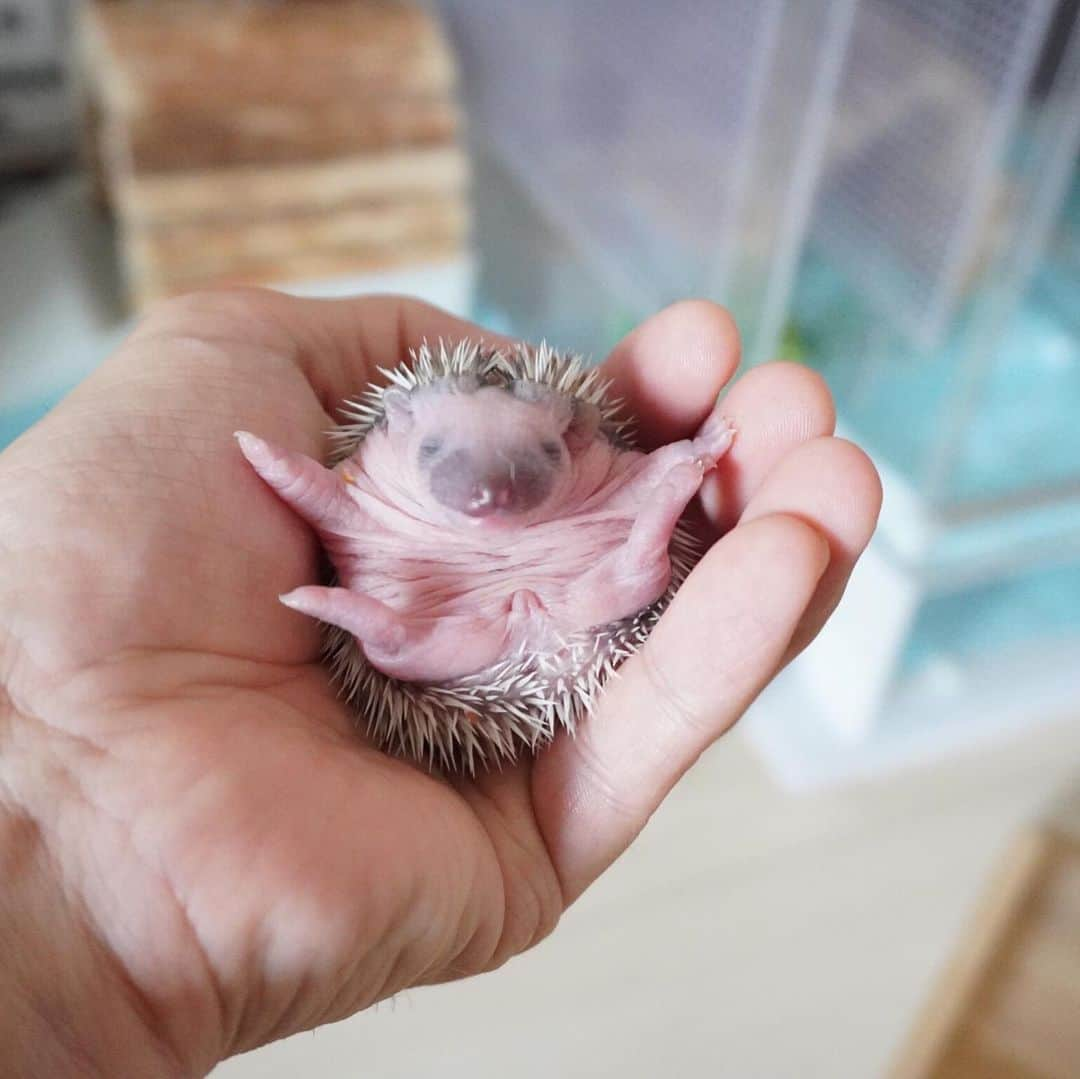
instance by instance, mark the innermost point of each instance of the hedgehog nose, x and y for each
(481, 488)
(488, 496)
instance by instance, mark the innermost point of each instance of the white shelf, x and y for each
(804, 751)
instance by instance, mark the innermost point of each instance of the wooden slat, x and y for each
(151, 286)
(214, 247)
(230, 193)
(257, 141)
(1009, 1005)
(177, 57)
(284, 133)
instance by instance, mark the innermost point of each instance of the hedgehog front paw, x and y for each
(525, 603)
(313, 492)
(651, 532)
(713, 440)
(377, 627)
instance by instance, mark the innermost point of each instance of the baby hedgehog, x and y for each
(498, 546)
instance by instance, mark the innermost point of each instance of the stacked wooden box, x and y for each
(252, 141)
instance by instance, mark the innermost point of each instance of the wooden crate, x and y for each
(269, 142)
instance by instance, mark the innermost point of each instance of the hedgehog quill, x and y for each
(499, 546)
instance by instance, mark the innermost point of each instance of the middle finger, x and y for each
(775, 408)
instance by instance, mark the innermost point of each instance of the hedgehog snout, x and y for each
(490, 495)
(507, 484)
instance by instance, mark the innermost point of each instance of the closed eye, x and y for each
(552, 451)
(429, 448)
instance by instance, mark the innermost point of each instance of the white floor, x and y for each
(748, 934)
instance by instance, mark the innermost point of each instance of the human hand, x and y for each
(201, 853)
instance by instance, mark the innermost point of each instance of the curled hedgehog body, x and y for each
(573, 473)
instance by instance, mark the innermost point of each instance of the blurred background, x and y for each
(885, 190)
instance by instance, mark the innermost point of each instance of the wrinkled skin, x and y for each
(199, 853)
(476, 523)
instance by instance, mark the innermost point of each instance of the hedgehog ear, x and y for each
(583, 426)
(465, 384)
(531, 392)
(397, 407)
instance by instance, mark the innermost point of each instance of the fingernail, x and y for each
(248, 442)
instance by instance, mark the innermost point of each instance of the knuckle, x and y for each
(213, 301)
(213, 315)
(597, 778)
(678, 712)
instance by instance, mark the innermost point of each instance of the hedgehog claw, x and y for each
(526, 603)
(713, 440)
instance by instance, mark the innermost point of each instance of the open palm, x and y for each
(239, 855)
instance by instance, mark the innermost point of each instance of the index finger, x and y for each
(338, 344)
(671, 369)
(369, 332)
